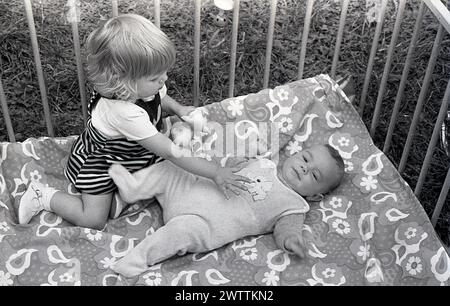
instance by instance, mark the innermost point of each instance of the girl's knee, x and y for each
(97, 224)
(95, 211)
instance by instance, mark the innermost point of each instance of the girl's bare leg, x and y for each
(87, 211)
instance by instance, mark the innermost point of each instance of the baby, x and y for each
(199, 218)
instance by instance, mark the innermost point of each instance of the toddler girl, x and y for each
(128, 59)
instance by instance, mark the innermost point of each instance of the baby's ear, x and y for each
(315, 198)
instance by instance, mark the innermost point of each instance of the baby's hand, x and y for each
(294, 244)
(227, 180)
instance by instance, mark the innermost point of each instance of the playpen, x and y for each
(401, 247)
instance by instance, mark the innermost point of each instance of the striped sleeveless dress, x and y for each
(92, 153)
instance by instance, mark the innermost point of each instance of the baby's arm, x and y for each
(224, 177)
(288, 234)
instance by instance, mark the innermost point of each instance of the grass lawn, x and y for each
(55, 40)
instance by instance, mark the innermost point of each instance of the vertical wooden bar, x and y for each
(441, 200)
(76, 46)
(37, 61)
(197, 8)
(6, 116)
(234, 37)
(404, 78)
(337, 47)
(387, 66)
(115, 8)
(301, 61)
(434, 138)
(157, 12)
(421, 99)
(373, 51)
(273, 11)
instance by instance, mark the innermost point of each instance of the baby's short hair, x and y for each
(339, 162)
(124, 49)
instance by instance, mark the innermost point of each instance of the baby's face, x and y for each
(311, 171)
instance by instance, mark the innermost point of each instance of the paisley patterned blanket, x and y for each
(370, 231)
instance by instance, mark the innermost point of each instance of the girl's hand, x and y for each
(236, 161)
(294, 244)
(226, 180)
(195, 117)
(184, 110)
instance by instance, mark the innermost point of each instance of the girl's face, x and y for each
(150, 85)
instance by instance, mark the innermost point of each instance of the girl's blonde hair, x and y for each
(124, 49)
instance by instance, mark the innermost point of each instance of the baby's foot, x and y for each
(124, 180)
(31, 202)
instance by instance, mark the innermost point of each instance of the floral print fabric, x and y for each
(371, 230)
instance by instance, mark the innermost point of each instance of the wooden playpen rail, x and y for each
(441, 13)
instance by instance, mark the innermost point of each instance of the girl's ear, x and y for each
(315, 198)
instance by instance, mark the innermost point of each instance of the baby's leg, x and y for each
(185, 233)
(124, 180)
(142, 184)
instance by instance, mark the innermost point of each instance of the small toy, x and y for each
(220, 20)
(194, 133)
(224, 5)
(181, 134)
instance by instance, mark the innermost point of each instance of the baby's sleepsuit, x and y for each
(199, 218)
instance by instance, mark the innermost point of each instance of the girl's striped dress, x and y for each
(92, 153)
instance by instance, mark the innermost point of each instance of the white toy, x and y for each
(194, 134)
(181, 134)
(197, 120)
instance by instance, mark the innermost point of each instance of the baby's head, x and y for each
(128, 57)
(314, 171)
